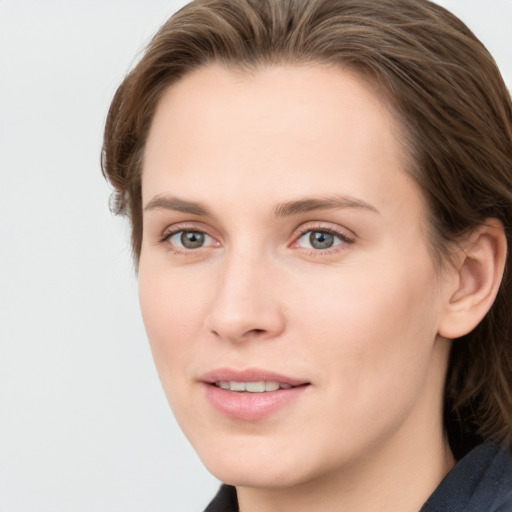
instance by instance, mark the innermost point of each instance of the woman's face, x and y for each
(285, 253)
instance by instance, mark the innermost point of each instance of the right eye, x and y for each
(189, 239)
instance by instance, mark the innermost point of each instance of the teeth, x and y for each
(252, 387)
(271, 386)
(237, 386)
(255, 387)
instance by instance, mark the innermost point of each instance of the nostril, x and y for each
(254, 333)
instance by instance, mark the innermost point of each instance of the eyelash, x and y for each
(343, 237)
(167, 235)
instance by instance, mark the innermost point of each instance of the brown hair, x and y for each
(449, 95)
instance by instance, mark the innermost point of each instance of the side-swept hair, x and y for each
(444, 87)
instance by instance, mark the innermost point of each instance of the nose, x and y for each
(246, 304)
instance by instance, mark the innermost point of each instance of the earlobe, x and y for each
(480, 268)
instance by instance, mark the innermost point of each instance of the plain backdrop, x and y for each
(84, 424)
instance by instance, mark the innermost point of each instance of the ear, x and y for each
(478, 274)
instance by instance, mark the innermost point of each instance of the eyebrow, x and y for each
(321, 203)
(178, 205)
(284, 209)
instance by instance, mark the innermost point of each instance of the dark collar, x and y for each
(480, 482)
(224, 501)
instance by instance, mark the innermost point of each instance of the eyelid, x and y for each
(206, 238)
(193, 227)
(187, 226)
(344, 234)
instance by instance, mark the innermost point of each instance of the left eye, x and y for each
(190, 239)
(319, 240)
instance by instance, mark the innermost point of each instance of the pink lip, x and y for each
(249, 375)
(250, 406)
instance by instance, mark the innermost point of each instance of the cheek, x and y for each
(171, 314)
(171, 320)
(373, 346)
(374, 326)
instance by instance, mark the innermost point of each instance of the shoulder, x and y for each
(480, 482)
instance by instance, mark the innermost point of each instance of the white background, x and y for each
(84, 425)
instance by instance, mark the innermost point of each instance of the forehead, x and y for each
(286, 126)
(230, 97)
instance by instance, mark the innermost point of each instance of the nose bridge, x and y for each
(245, 304)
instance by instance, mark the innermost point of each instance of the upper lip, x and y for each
(249, 375)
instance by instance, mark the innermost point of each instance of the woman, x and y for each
(320, 195)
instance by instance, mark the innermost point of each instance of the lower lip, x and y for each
(250, 406)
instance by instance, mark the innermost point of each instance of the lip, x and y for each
(250, 406)
(249, 375)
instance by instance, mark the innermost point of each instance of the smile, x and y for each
(261, 386)
(251, 394)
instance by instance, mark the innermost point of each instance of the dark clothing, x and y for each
(480, 482)
(224, 501)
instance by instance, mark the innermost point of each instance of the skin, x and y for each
(358, 321)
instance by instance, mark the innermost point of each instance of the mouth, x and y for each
(262, 386)
(251, 380)
(251, 395)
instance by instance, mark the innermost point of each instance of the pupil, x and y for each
(321, 240)
(192, 239)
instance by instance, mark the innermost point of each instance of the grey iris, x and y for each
(321, 240)
(192, 239)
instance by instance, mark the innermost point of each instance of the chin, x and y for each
(270, 474)
(259, 462)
